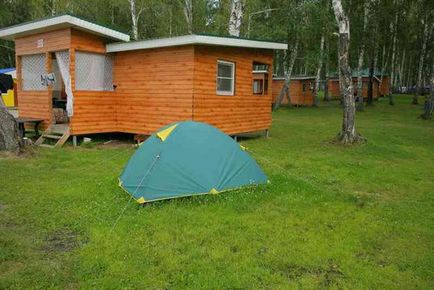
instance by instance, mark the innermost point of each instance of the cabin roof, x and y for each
(194, 39)
(59, 22)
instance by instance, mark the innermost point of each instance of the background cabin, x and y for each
(380, 88)
(300, 90)
(102, 82)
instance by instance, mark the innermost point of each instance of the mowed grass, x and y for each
(333, 216)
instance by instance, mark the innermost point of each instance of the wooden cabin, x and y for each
(385, 86)
(379, 90)
(107, 84)
(300, 90)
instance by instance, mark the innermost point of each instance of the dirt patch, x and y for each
(10, 267)
(63, 241)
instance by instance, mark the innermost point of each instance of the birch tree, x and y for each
(288, 72)
(188, 13)
(348, 134)
(135, 16)
(361, 57)
(318, 71)
(236, 18)
(426, 24)
(392, 63)
(429, 102)
(327, 73)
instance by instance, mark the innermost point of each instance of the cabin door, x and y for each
(59, 94)
(63, 63)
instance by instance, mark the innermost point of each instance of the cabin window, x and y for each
(32, 70)
(93, 72)
(260, 78)
(258, 86)
(225, 78)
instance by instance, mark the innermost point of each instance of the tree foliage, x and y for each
(282, 20)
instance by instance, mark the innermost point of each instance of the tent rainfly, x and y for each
(185, 159)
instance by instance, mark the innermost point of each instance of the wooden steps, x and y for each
(55, 136)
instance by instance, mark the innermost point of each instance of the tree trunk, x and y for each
(392, 63)
(134, 20)
(421, 63)
(188, 13)
(327, 70)
(429, 102)
(371, 79)
(318, 72)
(348, 134)
(401, 71)
(288, 72)
(361, 56)
(236, 18)
(10, 138)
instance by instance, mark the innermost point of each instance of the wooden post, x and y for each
(74, 141)
(267, 133)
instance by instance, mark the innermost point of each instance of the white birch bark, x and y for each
(327, 72)
(318, 71)
(188, 13)
(392, 63)
(361, 56)
(236, 18)
(134, 20)
(401, 70)
(348, 132)
(421, 61)
(288, 72)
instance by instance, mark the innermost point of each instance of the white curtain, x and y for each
(93, 71)
(62, 58)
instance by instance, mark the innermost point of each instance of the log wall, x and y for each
(298, 96)
(154, 88)
(242, 112)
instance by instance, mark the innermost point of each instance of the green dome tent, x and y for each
(188, 158)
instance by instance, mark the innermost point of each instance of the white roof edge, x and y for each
(193, 39)
(11, 32)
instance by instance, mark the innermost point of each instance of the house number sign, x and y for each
(40, 43)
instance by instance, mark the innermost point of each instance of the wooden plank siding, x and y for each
(385, 86)
(37, 104)
(242, 112)
(94, 111)
(154, 88)
(52, 41)
(298, 97)
(334, 91)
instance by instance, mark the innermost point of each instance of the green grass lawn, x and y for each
(332, 217)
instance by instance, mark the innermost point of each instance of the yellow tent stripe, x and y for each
(141, 200)
(213, 191)
(163, 134)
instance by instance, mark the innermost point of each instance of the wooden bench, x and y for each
(22, 121)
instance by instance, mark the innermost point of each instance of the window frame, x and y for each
(232, 91)
(22, 73)
(95, 53)
(261, 86)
